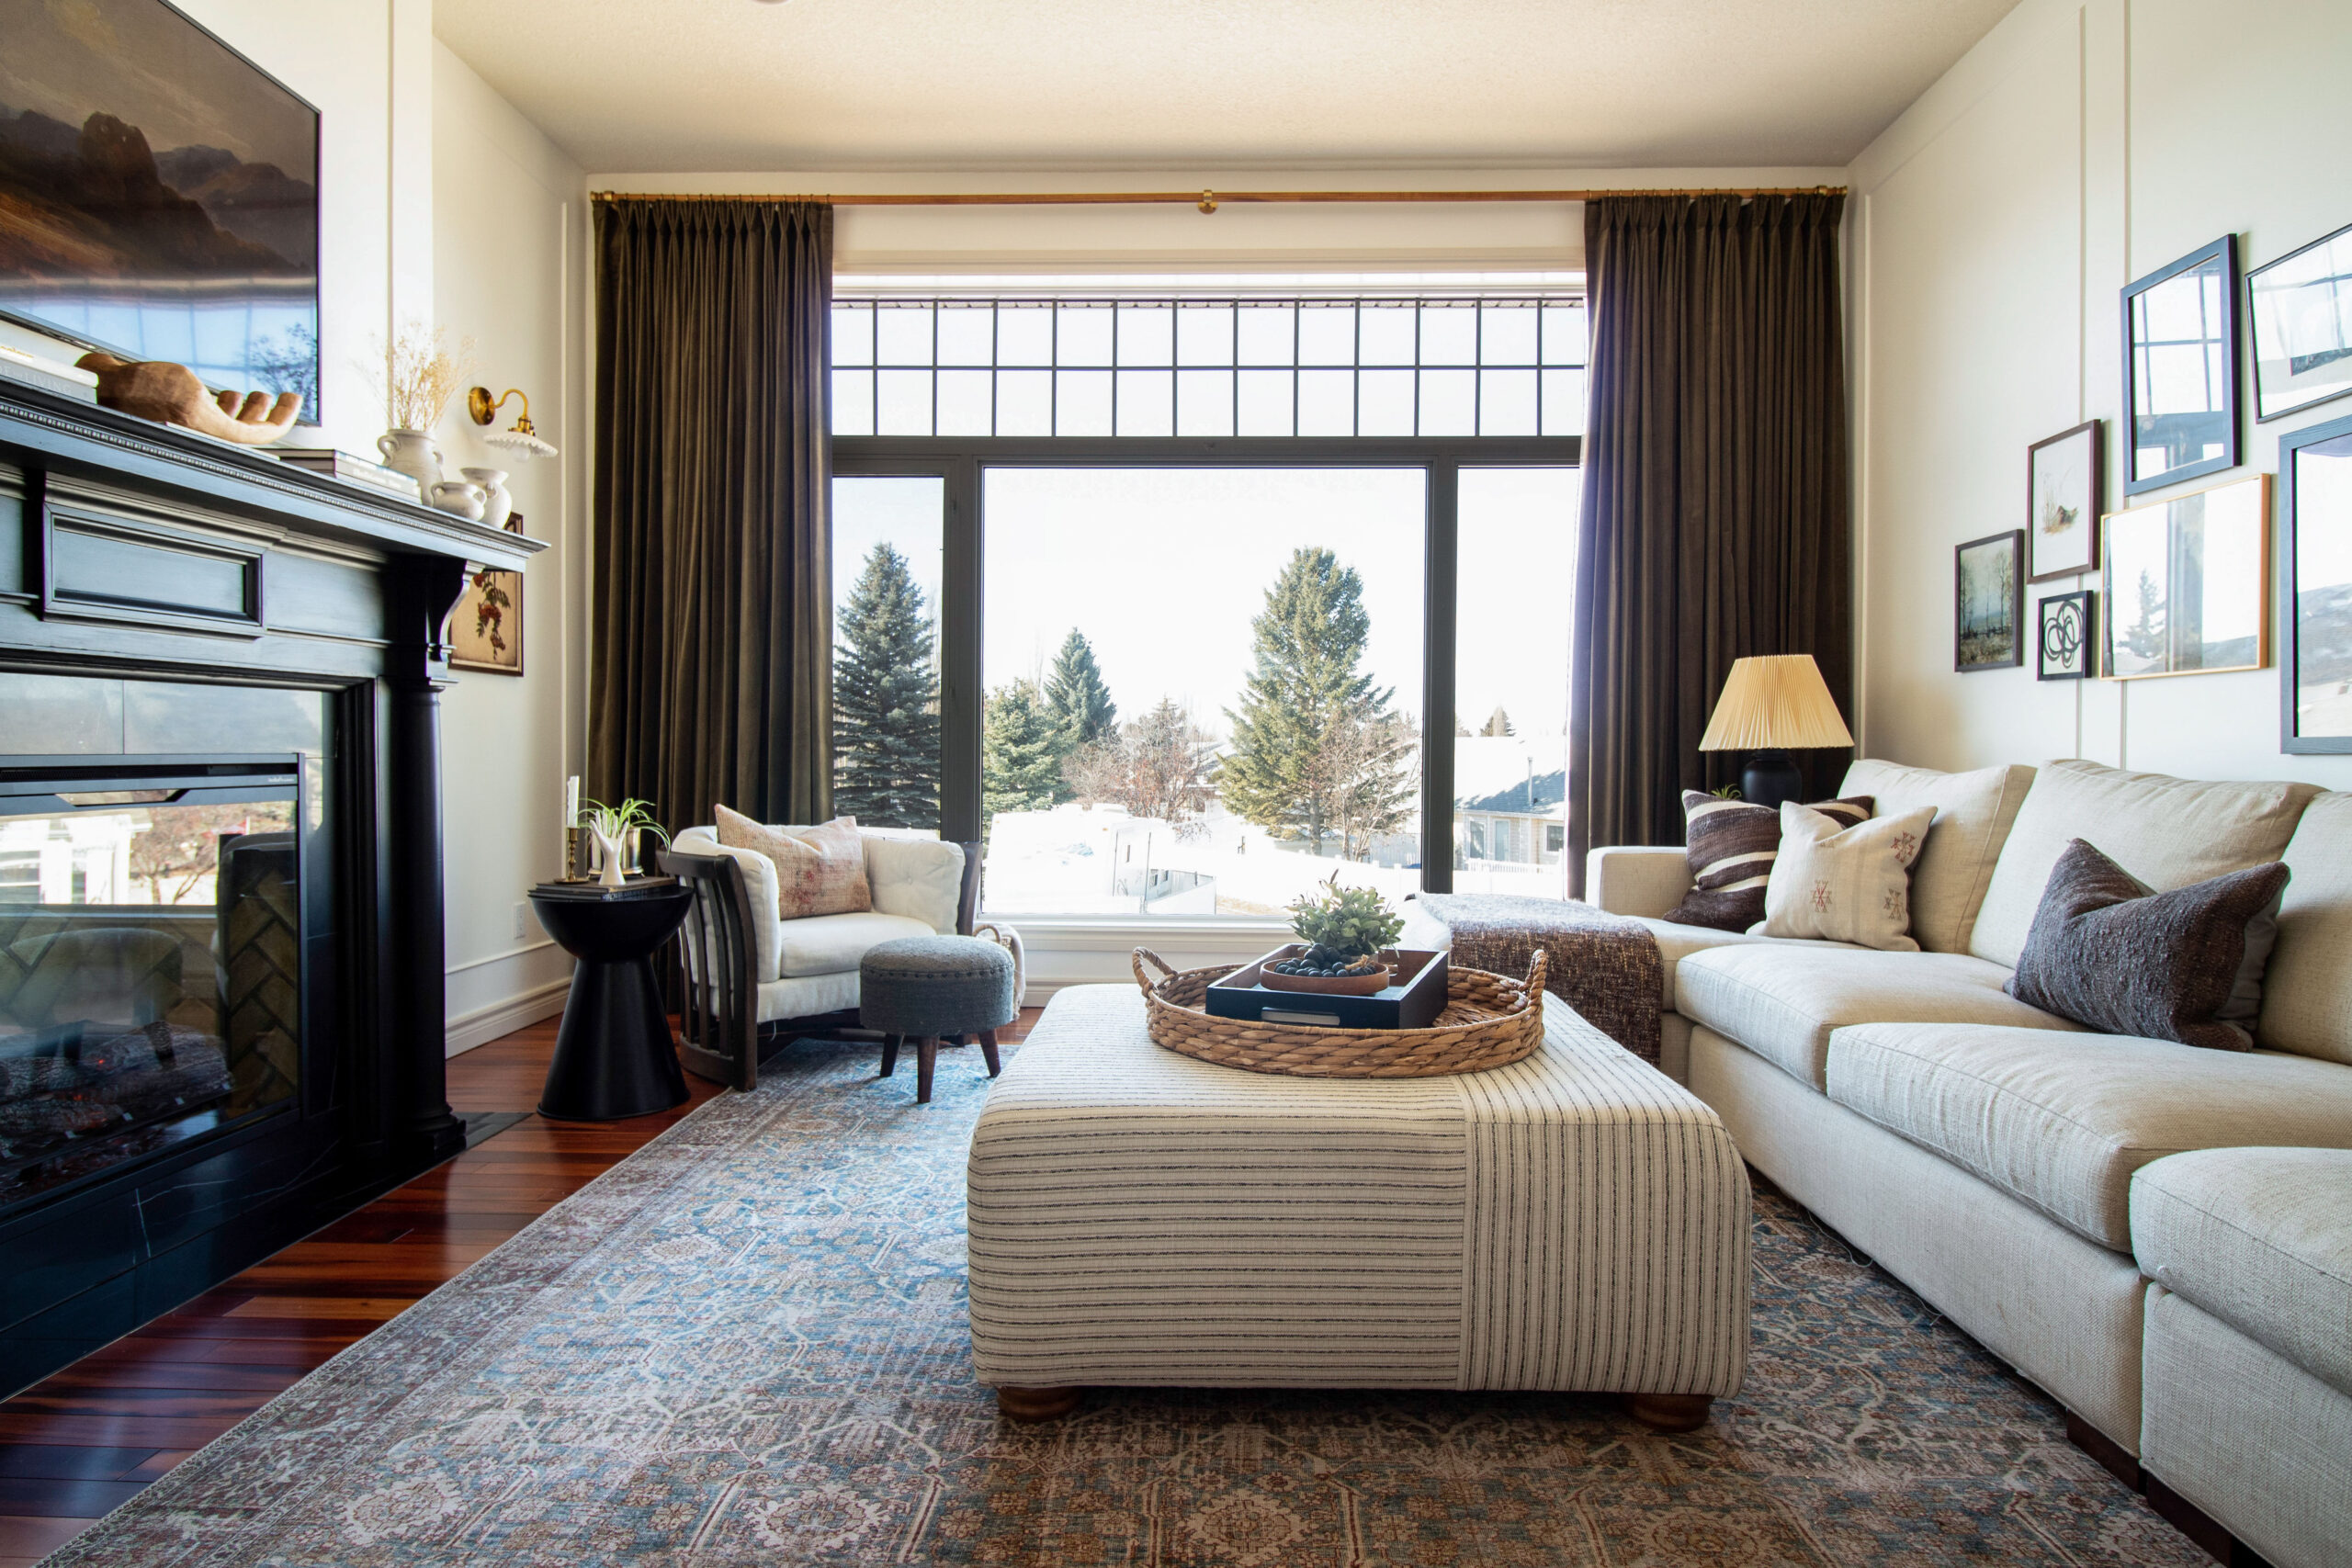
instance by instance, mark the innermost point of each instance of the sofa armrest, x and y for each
(759, 886)
(919, 878)
(1637, 879)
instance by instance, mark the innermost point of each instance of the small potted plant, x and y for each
(1345, 929)
(616, 829)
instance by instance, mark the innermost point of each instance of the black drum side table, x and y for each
(614, 1055)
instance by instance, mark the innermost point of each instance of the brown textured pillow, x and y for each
(1731, 846)
(2109, 951)
(818, 871)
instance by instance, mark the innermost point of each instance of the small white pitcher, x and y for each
(497, 505)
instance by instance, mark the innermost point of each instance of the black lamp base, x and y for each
(1770, 778)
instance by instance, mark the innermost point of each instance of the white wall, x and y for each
(509, 267)
(2082, 144)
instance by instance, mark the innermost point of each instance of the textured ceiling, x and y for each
(874, 85)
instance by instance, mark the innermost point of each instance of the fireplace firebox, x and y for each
(222, 1020)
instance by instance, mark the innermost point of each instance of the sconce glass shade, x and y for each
(520, 438)
(520, 442)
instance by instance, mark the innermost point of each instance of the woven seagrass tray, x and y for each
(1488, 1021)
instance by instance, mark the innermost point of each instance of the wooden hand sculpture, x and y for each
(170, 394)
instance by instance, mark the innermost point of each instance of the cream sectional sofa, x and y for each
(1985, 1152)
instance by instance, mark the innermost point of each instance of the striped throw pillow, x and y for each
(1731, 845)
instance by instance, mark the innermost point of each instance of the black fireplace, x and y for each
(222, 1007)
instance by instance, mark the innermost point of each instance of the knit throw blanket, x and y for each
(1606, 966)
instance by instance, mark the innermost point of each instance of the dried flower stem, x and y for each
(420, 376)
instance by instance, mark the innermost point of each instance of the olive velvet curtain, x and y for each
(1714, 520)
(712, 606)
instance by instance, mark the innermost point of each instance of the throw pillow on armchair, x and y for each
(820, 869)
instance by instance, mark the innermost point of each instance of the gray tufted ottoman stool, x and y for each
(920, 987)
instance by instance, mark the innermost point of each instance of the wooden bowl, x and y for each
(1329, 984)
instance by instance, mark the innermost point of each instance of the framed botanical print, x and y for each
(486, 629)
(2301, 307)
(1988, 602)
(2187, 583)
(2063, 499)
(2064, 650)
(2180, 370)
(2315, 588)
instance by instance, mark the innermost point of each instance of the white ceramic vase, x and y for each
(608, 851)
(497, 505)
(411, 452)
(460, 498)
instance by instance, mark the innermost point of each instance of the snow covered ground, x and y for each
(1079, 860)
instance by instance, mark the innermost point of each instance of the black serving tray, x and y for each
(1412, 1004)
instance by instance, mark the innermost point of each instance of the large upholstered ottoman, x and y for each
(1574, 1222)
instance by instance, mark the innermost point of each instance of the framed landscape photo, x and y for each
(2187, 583)
(2066, 649)
(2315, 588)
(2302, 309)
(2180, 370)
(1988, 602)
(486, 629)
(2063, 498)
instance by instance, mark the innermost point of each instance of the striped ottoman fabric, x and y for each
(1574, 1220)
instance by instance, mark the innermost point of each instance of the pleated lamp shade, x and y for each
(1778, 702)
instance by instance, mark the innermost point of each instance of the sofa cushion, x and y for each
(921, 878)
(1845, 884)
(2262, 1239)
(1974, 814)
(827, 945)
(2307, 997)
(2060, 1121)
(1732, 844)
(2170, 831)
(1781, 1000)
(1676, 943)
(2108, 951)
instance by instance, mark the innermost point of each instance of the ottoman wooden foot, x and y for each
(1036, 1403)
(890, 1054)
(926, 1063)
(1669, 1412)
(988, 1050)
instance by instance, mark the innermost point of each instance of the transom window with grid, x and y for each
(1206, 368)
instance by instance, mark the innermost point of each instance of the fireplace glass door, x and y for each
(151, 974)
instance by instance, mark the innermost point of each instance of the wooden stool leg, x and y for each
(926, 1059)
(1036, 1403)
(1669, 1412)
(988, 1049)
(890, 1054)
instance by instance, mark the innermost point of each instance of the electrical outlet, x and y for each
(522, 920)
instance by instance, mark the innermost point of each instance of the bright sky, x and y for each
(1164, 569)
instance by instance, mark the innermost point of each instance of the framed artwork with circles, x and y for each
(2066, 650)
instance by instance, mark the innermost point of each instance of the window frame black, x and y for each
(960, 462)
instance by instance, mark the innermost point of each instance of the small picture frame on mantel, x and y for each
(2063, 494)
(2066, 650)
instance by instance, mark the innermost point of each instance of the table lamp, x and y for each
(1771, 705)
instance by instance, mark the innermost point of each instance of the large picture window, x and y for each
(1175, 672)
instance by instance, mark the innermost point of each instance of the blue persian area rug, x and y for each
(746, 1344)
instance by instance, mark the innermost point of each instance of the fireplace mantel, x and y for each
(139, 558)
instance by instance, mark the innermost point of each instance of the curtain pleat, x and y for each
(1714, 521)
(710, 677)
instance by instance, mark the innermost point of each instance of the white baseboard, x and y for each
(485, 1024)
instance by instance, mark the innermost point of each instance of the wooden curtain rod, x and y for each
(1207, 200)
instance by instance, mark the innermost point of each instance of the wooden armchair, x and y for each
(750, 974)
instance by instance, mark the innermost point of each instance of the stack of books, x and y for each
(337, 464)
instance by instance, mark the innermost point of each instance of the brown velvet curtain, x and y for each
(712, 608)
(1714, 520)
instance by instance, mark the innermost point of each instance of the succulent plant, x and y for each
(1343, 925)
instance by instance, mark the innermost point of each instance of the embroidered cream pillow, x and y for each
(1845, 885)
(818, 871)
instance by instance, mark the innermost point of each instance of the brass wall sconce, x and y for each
(519, 439)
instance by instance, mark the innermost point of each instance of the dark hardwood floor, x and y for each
(84, 1440)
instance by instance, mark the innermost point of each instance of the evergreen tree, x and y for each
(1020, 754)
(1499, 723)
(1080, 703)
(1302, 761)
(886, 701)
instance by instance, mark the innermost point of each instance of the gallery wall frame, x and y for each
(2299, 308)
(1988, 602)
(2187, 583)
(2180, 369)
(2066, 640)
(2065, 491)
(2315, 588)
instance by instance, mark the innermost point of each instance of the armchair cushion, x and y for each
(921, 879)
(759, 886)
(829, 944)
